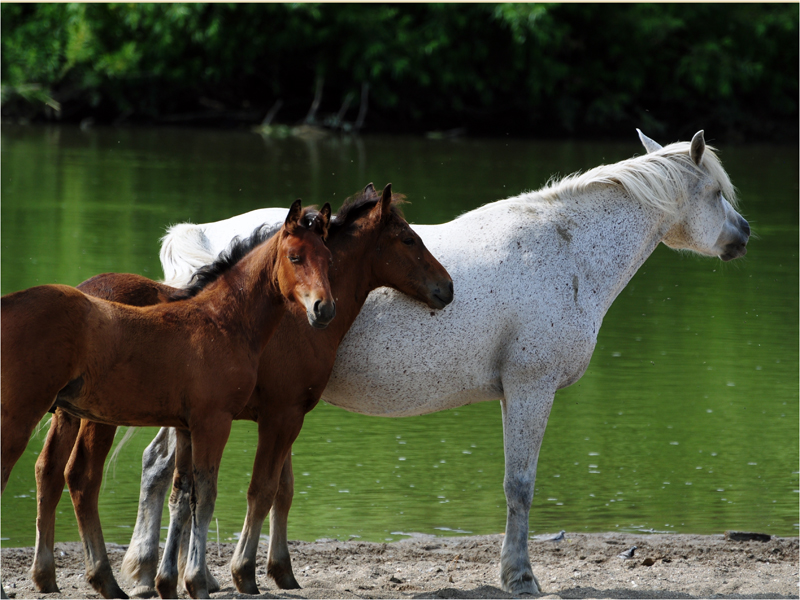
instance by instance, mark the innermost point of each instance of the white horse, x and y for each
(534, 275)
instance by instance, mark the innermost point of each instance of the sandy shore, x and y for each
(582, 566)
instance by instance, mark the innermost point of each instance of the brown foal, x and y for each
(190, 364)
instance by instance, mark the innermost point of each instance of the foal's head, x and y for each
(400, 260)
(302, 263)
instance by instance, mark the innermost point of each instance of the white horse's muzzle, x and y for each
(733, 240)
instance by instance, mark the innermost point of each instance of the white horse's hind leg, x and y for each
(141, 559)
(525, 413)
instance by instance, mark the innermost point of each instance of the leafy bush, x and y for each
(584, 69)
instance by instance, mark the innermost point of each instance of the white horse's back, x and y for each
(186, 247)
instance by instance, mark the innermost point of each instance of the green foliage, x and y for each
(516, 68)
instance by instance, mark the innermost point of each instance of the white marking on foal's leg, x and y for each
(141, 559)
(525, 413)
(179, 511)
(205, 492)
(279, 562)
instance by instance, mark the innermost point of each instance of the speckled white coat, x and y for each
(534, 276)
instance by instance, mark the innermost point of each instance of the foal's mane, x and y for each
(655, 179)
(236, 251)
(355, 206)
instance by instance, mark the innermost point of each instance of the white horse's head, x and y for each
(705, 222)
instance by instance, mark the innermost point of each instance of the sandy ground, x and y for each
(581, 566)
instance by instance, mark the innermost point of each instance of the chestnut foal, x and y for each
(368, 231)
(190, 364)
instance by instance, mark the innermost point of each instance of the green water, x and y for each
(686, 420)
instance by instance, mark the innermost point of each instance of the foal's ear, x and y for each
(323, 220)
(369, 190)
(649, 145)
(698, 147)
(293, 218)
(386, 202)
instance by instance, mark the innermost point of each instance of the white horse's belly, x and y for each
(401, 358)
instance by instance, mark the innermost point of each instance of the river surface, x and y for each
(686, 420)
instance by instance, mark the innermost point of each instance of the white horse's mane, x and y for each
(656, 179)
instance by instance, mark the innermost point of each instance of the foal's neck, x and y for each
(351, 278)
(248, 297)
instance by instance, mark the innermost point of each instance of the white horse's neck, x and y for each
(626, 233)
(607, 236)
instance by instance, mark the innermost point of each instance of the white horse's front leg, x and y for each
(525, 413)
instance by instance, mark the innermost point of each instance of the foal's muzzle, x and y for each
(441, 294)
(321, 314)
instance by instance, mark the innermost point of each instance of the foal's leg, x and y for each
(208, 442)
(84, 476)
(49, 485)
(141, 559)
(525, 413)
(279, 562)
(20, 413)
(183, 555)
(274, 445)
(179, 511)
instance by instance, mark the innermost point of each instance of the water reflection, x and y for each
(686, 419)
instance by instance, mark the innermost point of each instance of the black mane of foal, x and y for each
(236, 251)
(352, 208)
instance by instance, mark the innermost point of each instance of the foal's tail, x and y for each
(184, 249)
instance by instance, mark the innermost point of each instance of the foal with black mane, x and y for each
(371, 246)
(190, 364)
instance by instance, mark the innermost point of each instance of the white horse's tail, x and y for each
(111, 463)
(184, 249)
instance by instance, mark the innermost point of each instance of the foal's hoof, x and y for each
(167, 589)
(244, 578)
(196, 592)
(44, 578)
(44, 586)
(104, 583)
(213, 584)
(247, 587)
(144, 591)
(284, 578)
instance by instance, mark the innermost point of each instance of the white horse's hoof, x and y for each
(526, 583)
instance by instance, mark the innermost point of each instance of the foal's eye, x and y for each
(409, 241)
(294, 258)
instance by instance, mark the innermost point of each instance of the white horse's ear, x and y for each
(698, 147)
(649, 145)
